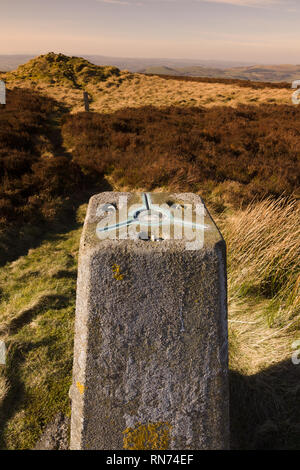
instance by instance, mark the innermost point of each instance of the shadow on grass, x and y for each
(264, 408)
(49, 184)
(27, 315)
(18, 241)
(18, 398)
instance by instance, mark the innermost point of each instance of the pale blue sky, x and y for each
(258, 31)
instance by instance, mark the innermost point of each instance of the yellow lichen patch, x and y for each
(152, 436)
(117, 274)
(80, 387)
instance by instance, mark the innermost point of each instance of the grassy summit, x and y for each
(64, 78)
(60, 69)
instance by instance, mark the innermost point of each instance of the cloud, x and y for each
(239, 3)
(120, 2)
(246, 3)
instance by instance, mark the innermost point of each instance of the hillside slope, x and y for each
(270, 73)
(64, 79)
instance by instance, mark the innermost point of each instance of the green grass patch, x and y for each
(37, 310)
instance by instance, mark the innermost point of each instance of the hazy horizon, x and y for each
(244, 31)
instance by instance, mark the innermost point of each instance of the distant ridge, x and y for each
(268, 73)
(176, 67)
(10, 62)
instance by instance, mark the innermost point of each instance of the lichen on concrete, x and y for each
(151, 436)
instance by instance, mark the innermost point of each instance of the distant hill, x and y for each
(179, 67)
(11, 62)
(268, 73)
(140, 64)
(194, 71)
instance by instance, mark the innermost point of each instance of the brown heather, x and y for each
(248, 151)
(32, 181)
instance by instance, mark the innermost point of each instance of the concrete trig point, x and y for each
(150, 357)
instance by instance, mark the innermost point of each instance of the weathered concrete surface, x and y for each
(150, 357)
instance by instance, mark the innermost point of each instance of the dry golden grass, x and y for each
(70, 97)
(264, 276)
(3, 386)
(263, 254)
(139, 90)
(136, 90)
(254, 346)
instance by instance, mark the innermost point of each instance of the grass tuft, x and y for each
(264, 239)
